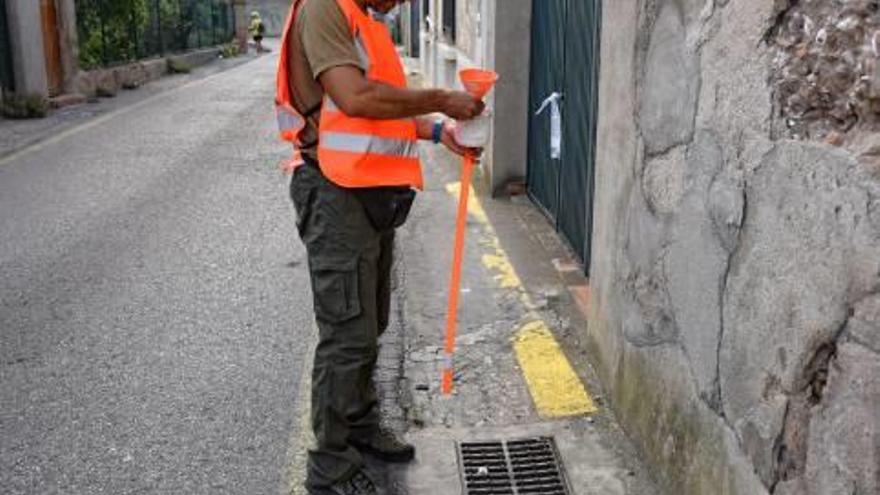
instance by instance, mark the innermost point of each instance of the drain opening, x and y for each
(529, 466)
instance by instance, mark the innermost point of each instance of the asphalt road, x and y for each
(154, 302)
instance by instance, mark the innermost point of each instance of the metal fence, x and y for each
(7, 80)
(118, 31)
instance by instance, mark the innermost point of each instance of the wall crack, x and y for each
(790, 447)
(722, 293)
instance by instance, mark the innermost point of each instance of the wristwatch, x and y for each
(437, 131)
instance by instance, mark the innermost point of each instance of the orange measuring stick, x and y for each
(477, 82)
(455, 280)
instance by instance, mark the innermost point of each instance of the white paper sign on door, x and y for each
(552, 101)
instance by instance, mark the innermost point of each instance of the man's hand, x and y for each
(425, 130)
(448, 140)
(462, 106)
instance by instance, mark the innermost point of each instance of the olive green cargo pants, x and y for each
(350, 268)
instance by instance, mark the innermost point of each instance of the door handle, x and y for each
(552, 102)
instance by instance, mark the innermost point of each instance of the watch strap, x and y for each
(437, 131)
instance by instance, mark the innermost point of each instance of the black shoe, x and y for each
(359, 484)
(386, 446)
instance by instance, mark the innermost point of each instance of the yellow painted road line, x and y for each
(555, 388)
(553, 383)
(495, 260)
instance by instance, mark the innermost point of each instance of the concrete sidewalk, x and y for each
(516, 274)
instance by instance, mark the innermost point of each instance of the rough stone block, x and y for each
(155, 68)
(825, 72)
(663, 181)
(844, 443)
(671, 84)
(652, 322)
(758, 432)
(644, 234)
(864, 326)
(132, 76)
(67, 100)
(788, 290)
(197, 57)
(735, 99)
(84, 83)
(106, 83)
(648, 318)
(695, 265)
(726, 207)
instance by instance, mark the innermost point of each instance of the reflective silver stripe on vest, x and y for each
(329, 104)
(288, 120)
(360, 143)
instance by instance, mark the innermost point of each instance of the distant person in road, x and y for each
(342, 101)
(257, 29)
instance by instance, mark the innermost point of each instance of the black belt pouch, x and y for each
(386, 207)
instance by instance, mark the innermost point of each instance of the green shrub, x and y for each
(230, 50)
(110, 31)
(26, 106)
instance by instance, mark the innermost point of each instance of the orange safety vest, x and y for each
(355, 152)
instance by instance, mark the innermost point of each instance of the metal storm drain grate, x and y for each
(516, 467)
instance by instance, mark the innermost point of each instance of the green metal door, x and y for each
(547, 75)
(7, 80)
(565, 35)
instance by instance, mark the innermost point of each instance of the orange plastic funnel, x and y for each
(478, 82)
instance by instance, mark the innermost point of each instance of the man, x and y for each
(343, 101)
(257, 29)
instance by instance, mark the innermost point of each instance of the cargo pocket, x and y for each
(335, 287)
(302, 192)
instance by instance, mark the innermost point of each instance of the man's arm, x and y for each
(358, 96)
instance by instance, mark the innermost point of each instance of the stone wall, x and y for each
(109, 81)
(826, 76)
(736, 270)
